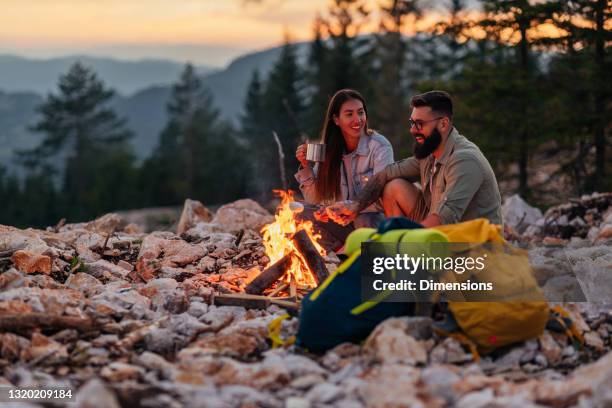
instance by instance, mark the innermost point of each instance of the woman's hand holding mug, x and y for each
(300, 154)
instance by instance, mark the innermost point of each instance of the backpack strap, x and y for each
(561, 322)
(274, 329)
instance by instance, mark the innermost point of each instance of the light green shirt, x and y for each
(463, 186)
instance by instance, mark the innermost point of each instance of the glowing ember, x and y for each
(277, 241)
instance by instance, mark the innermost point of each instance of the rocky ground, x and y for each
(128, 318)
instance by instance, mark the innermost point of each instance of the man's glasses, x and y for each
(418, 124)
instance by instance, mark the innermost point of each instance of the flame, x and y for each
(277, 241)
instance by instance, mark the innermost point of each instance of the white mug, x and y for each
(315, 152)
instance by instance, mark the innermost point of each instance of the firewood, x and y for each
(314, 260)
(59, 225)
(138, 335)
(270, 275)
(239, 237)
(278, 290)
(243, 300)
(281, 160)
(24, 321)
(292, 288)
(10, 252)
(253, 301)
(108, 237)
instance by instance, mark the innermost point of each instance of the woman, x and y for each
(353, 153)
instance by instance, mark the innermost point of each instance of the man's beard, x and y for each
(429, 145)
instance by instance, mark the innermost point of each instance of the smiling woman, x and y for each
(354, 153)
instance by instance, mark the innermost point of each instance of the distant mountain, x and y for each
(229, 86)
(40, 76)
(143, 106)
(145, 109)
(145, 112)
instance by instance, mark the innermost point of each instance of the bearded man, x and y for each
(456, 180)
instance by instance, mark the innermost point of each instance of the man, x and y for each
(457, 181)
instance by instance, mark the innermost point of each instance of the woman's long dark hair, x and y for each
(327, 185)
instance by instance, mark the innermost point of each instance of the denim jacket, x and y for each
(373, 154)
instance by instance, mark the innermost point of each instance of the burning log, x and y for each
(269, 276)
(313, 259)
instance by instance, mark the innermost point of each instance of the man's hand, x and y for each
(343, 212)
(300, 154)
(321, 215)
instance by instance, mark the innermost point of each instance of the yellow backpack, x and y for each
(484, 325)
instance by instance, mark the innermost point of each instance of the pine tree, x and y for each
(256, 131)
(77, 124)
(392, 110)
(39, 200)
(586, 43)
(338, 58)
(253, 119)
(319, 86)
(197, 153)
(283, 104)
(10, 196)
(350, 55)
(518, 17)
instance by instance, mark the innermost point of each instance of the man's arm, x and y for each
(372, 191)
(464, 176)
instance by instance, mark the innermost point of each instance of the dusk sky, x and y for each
(205, 31)
(209, 32)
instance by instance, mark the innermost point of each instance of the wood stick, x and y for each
(138, 335)
(277, 290)
(269, 276)
(239, 237)
(253, 301)
(243, 300)
(10, 252)
(107, 238)
(314, 260)
(59, 225)
(22, 321)
(281, 160)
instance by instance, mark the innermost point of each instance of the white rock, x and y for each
(193, 213)
(297, 402)
(390, 343)
(439, 380)
(325, 393)
(105, 270)
(242, 214)
(518, 214)
(449, 351)
(85, 283)
(307, 381)
(94, 394)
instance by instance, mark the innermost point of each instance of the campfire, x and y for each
(296, 258)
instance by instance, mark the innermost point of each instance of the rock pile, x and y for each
(588, 217)
(129, 319)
